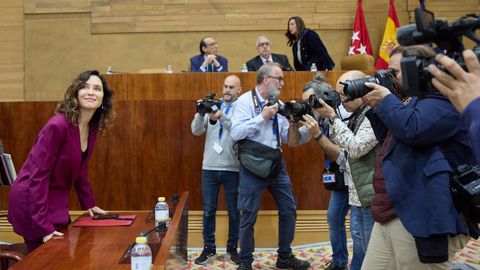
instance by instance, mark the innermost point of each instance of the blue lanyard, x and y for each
(220, 131)
(275, 118)
(326, 131)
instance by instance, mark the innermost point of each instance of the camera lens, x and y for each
(354, 89)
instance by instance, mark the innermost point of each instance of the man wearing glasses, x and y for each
(256, 119)
(208, 60)
(265, 55)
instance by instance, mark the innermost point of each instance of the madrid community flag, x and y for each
(389, 40)
(360, 39)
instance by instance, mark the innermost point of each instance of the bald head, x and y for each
(349, 75)
(231, 88)
(353, 105)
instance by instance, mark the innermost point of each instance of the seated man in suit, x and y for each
(265, 55)
(208, 60)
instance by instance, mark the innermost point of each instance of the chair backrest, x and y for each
(357, 62)
(8, 258)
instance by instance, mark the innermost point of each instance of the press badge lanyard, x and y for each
(220, 131)
(327, 176)
(258, 108)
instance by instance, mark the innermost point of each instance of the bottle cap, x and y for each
(141, 240)
(161, 199)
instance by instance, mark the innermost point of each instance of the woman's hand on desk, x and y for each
(54, 235)
(96, 210)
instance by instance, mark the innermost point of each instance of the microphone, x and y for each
(110, 71)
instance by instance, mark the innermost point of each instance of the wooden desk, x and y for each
(103, 247)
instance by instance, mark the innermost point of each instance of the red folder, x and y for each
(87, 221)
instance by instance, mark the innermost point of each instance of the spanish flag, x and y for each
(389, 40)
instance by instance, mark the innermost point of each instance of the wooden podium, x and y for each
(105, 247)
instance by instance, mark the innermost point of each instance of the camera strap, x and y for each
(227, 109)
(258, 109)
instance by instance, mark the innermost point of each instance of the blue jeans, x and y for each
(211, 181)
(337, 211)
(250, 194)
(361, 224)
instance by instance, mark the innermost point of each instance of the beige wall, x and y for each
(11, 50)
(58, 39)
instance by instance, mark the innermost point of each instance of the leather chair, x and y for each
(11, 253)
(362, 62)
(8, 258)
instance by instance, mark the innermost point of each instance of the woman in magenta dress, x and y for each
(38, 199)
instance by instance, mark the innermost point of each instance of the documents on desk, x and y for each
(87, 221)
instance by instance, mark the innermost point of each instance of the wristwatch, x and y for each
(318, 137)
(332, 119)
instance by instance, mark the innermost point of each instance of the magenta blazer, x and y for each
(38, 199)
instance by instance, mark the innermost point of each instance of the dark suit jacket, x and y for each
(312, 51)
(197, 61)
(38, 199)
(471, 120)
(256, 62)
(416, 170)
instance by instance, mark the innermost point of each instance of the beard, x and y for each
(273, 91)
(227, 97)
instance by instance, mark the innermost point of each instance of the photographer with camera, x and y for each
(463, 90)
(357, 142)
(358, 139)
(260, 131)
(220, 167)
(313, 127)
(416, 224)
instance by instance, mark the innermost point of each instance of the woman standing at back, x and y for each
(307, 47)
(58, 160)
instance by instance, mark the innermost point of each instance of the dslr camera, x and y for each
(447, 37)
(354, 89)
(296, 110)
(209, 104)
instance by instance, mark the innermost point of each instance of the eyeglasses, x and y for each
(279, 78)
(264, 44)
(87, 86)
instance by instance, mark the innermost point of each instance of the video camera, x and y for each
(466, 183)
(209, 104)
(354, 89)
(296, 110)
(448, 38)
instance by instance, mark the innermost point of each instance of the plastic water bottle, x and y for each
(244, 68)
(109, 70)
(169, 69)
(161, 212)
(313, 68)
(141, 256)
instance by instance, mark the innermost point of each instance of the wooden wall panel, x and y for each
(150, 151)
(130, 35)
(56, 6)
(11, 50)
(445, 9)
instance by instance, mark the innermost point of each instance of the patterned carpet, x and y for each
(318, 255)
